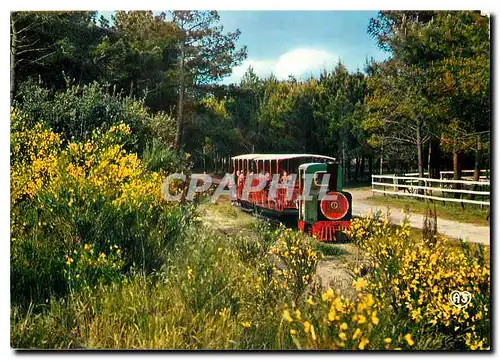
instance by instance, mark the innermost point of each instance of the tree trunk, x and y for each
(457, 171)
(420, 155)
(356, 170)
(180, 104)
(348, 166)
(477, 165)
(131, 91)
(477, 160)
(456, 168)
(370, 166)
(434, 160)
(429, 158)
(382, 159)
(13, 54)
(362, 169)
(344, 172)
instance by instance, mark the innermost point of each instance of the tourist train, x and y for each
(324, 213)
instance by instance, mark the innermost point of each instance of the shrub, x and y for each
(158, 157)
(333, 322)
(296, 260)
(90, 193)
(80, 110)
(417, 277)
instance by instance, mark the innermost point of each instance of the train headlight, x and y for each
(335, 206)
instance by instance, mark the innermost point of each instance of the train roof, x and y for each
(245, 156)
(279, 156)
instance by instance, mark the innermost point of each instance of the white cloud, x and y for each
(297, 62)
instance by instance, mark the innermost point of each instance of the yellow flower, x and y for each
(356, 334)
(343, 326)
(364, 341)
(246, 324)
(307, 326)
(387, 340)
(409, 339)
(293, 332)
(361, 319)
(342, 336)
(360, 284)
(328, 295)
(332, 314)
(309, 300)
(375, 319)
(313, 333)
(286, 316)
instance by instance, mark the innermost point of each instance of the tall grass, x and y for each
(211, 293)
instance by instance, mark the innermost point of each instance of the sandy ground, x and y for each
(450, 228)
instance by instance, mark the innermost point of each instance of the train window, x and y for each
(252, 166)
(318, 178)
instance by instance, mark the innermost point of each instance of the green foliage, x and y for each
(69, 197)
(209, 295)
(330, 249)
(158, 157)
(50, 45)
(208, 54)
(79, 110)
(437, 78)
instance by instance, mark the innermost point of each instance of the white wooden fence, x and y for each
(468, 174)
(433, 189)
(483, 174)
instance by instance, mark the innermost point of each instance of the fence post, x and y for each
(394, 182)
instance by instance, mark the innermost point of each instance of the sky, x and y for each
(300, 43)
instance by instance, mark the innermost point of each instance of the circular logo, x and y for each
(334, 205)
(460, 299)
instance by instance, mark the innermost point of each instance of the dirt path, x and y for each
(332, 271)
(450, 228)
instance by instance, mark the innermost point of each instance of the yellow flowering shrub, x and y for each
(34, 158)
(100, 165)
(295, 260)
(333, 322)
(65, 194)
(418, 277)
